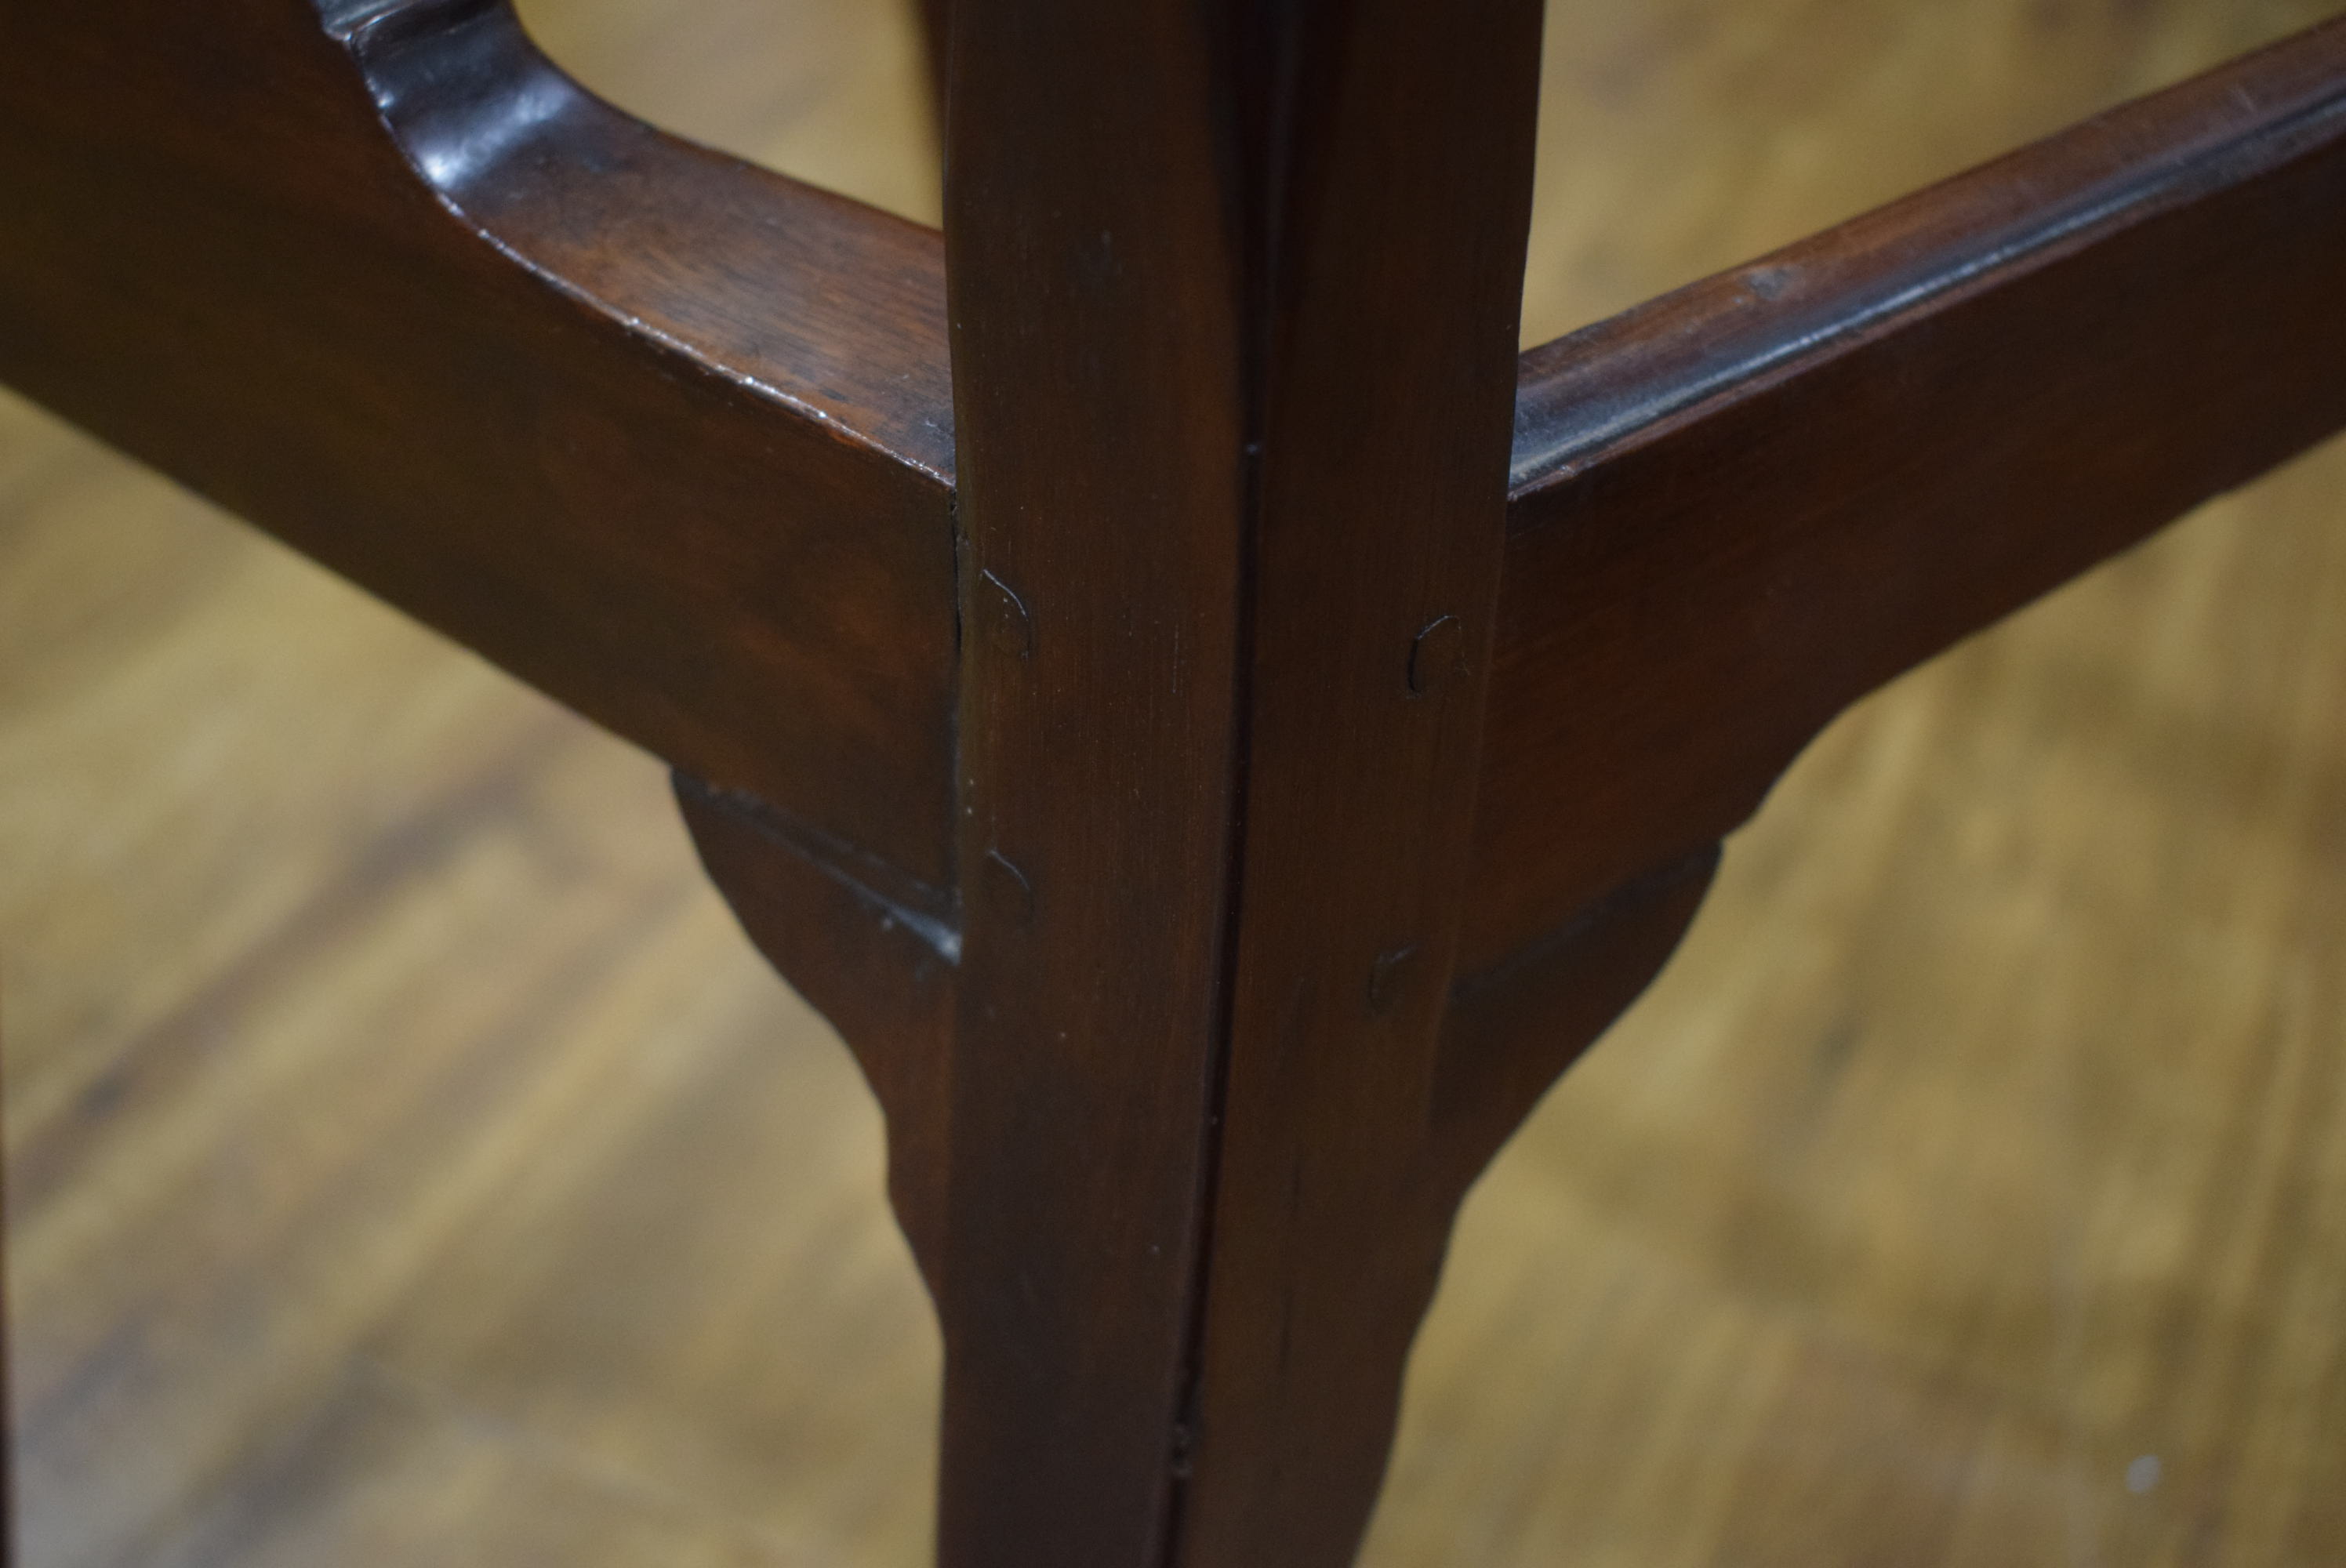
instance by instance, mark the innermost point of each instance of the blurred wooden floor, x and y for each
(410, 1165)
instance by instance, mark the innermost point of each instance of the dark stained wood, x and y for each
(1099, 383)
(1513, 1029)
(666, 435)
(1209, 528)
(1741, 507)
(881, 974)
(936, 27)
(1397, 167)
(1148, 840)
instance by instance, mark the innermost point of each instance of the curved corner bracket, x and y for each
(1512, 1030)
(879, 962)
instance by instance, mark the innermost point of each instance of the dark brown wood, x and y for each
(1403, 171)
(881, 972)
(1100, 392)
(1742, 507)
(936, 31)
(664, 434)
(1513, 1029)
(1214, 847)
(1208, 523)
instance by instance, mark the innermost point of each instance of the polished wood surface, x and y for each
(1742, 506)
(1382, 157)
(1100, 387)
(666, 434)
(257, 1498)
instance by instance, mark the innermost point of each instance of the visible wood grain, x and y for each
(1941, 1177)
(2246, 1409)
(1510, 1031)
(1741, 507)
(666, 435)
(1394, 142)
(1189, 1240)
(1101, 395)
(1932, 1185)
(836, 94)
(367, 977)
(881, 973)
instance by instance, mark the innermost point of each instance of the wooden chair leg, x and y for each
(1226, 603)
(1108, 759)
(937, 17)
(1184, 1103)
(1228, 1403)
